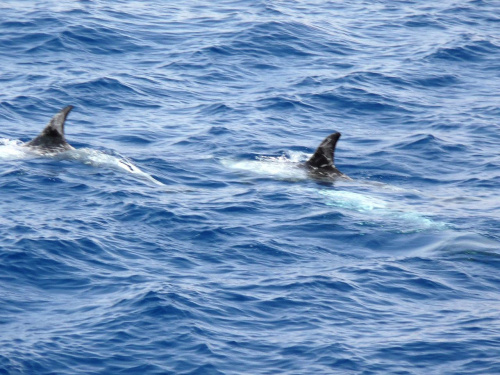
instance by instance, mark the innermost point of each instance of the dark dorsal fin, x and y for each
(325, 153)
(52, 137)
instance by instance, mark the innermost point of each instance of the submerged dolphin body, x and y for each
(322, 164)
(51, 139)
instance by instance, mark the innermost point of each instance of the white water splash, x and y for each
(280, 167)
(100, 159)
(14, 150)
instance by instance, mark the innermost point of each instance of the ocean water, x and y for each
(182, 236)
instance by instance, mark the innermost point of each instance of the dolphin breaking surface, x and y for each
(366, 199)
(320, 166)
(296, 166)
(51, 142)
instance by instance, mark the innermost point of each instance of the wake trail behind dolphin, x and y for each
(16, 150)
(284, 167)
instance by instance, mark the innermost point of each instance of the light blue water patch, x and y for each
(376, 211)
(353, 201)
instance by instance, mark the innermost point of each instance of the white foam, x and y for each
(281, 167)
(14, 150)
(100, 159)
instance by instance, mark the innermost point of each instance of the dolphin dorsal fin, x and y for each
(56, 124)
(52, 137)
(324, 156)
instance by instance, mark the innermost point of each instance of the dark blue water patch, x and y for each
(428, 146)
(23, 40)
(215, 109)
(432, 354)
(153, 305)
(134, 139)
(265, 252)
(480, 183)
(279, 39)
(17, 24)
(445, 80)
(38, 21)
(262, 66)
(136, 213)
(359, 101)
(371, 78)
(473, 51)
(424, 21)
(20, 263)
(283, 104)
(213, 77)
(24, 106)
(109, 92)
(54, 44)
(425, 141)
(100, 40)
(320, 284)
(103, 85)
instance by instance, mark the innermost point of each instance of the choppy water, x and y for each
(181, 237)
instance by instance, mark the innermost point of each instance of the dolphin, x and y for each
(322, 164)
(51, 139)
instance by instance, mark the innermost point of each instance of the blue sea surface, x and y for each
(182, 236)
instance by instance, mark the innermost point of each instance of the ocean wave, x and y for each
(466, 50)
(360, 101)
